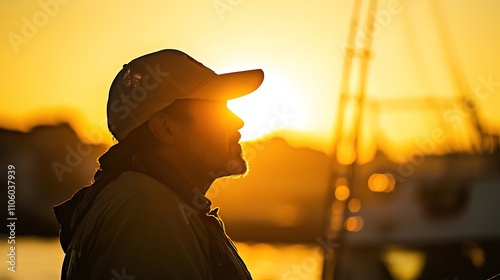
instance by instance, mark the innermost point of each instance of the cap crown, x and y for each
(150, 83)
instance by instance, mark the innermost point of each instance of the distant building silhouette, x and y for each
(51, 164)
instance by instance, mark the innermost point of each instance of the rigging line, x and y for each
(458, 75)
(376, 124)
(418, 59)
(415, 48)
(361, 95)
(350, 52)
(348, 168)
(364, 69)
(407, 103)
(344, 90)
(329, 262)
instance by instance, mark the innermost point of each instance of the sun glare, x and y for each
(271, 108)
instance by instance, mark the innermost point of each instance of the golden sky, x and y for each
(60, 57)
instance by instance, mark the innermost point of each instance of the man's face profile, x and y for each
(209, 136)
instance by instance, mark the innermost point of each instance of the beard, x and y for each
(237, 166)
(221, 161)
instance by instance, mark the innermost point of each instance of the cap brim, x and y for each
(230, 85)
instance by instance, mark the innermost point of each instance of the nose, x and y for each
(235, 121)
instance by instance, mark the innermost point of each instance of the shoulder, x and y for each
(133, 194)
(137, 201)
(139, 213)
(136, 186)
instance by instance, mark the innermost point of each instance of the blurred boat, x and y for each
(433, 216)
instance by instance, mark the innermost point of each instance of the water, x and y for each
(41, 258)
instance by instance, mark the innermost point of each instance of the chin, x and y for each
(244, 170)
(237, 164)
(237, 168)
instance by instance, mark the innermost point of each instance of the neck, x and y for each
(202, 183)
(189, 190)
(195, 176)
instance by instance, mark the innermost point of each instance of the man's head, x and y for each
(201, 134)
(152, 82)
(177, 107)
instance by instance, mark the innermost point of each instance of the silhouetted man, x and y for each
(146, 215)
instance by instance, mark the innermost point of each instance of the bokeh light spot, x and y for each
(342, 193)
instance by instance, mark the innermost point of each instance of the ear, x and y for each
(160, 126)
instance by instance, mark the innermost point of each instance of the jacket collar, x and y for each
(119, 158)
(71, 212)
(167, 175)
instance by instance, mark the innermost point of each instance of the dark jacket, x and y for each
(140, 220)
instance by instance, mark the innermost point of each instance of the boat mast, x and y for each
(348, 123)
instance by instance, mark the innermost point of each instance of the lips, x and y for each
(234, 142)
(237, 136)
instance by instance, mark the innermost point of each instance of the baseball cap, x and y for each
(150, 83)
